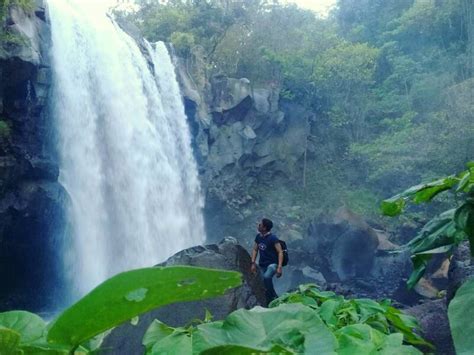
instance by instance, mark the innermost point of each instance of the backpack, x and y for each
(285, 252)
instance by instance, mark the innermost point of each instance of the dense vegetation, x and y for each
(296, 323)
(443, 233)
(388, 85)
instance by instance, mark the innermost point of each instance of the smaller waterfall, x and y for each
(125, 148)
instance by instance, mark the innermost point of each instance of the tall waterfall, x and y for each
(124, 145)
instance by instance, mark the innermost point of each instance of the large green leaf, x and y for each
(464, 220)
(362, 339)
(44, 348)
(439, 231)
(439, 235)
(30, 326)
(243, 350)
(328, 310)
(160, 338)
(9, 340)
(367, 308)
(177, 343)
(467, 179)
(132, 293)
(420, 262)
(406, 325)
(155, 332)
(393, 206)
(460, 313)
(292, 326)
(418, 194)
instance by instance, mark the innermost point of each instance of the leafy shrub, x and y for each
(445, 231)
(182, 42)
(296, 323)
(337, 312)
(288, 329)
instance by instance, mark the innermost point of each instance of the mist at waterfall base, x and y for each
(124, 148)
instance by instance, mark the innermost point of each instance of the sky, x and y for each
(320, 6)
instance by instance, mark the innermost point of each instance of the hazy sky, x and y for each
(321, 6)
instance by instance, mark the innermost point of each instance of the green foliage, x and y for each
(362, 339)
(445, 231)
(339, 313)
(24, 332)
(118, 299)
(388, 84)
(460, 318)
(296, 323)
(417, 194)
(182, 42)
(289, 329)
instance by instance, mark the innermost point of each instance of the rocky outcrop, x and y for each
(244, 139)
(461, 269)
(354, 258)
(31, 199)
(434, 323)
(228, 255)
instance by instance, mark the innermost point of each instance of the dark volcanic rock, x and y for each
(354, 257)
(460, 270)
(31, 199)
(433, 318)
(229, 255)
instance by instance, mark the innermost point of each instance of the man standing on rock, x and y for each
(271, 257)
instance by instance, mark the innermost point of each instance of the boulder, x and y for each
(353, 256)
(228, 93)
(433, 319)
(345, 242)
(229, 255)
(461, 269)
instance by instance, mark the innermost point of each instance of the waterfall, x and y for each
(124, 146)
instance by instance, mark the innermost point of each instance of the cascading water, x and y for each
(124, 145)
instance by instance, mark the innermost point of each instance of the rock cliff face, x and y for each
(245, 138)
(31, 198)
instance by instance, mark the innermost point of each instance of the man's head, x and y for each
(265, 226)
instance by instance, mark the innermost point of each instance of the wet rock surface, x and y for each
(31, 199)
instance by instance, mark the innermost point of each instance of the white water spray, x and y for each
(125, 148)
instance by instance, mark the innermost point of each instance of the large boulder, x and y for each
(355, 258)
(345, 243)
(229, 255)
(433, 319)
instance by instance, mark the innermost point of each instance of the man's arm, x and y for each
(253, 268)
(279, 250)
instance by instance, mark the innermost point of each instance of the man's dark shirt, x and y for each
(266, 249)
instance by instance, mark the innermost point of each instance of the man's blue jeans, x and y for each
(267, 273)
